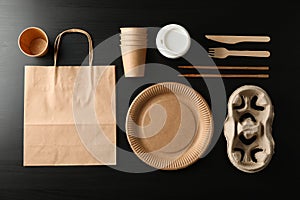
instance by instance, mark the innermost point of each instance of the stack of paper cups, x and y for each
(133, 48)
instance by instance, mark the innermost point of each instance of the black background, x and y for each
(208, 177)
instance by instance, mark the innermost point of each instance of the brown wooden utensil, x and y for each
(233, 39)
(225, 75)
(221, 52)
(226, 67)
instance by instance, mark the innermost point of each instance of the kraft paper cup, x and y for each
(134, 58)
(133, 30)
(33, 42)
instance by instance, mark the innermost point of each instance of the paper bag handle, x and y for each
(74, 30)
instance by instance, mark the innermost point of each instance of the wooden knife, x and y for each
(233, 39)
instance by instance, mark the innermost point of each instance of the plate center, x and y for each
(168, 125)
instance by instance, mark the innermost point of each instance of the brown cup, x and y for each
(134, 58)
(33, 42)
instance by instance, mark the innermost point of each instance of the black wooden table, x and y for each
(210, 176)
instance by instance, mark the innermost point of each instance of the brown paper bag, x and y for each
(69, 113)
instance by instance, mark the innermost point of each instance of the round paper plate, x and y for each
(169, 126)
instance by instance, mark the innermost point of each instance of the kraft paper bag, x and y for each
(69, 113)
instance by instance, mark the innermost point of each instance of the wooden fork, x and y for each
(221, 52)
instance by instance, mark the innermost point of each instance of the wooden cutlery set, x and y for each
(222, 53)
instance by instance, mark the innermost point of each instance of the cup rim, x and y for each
(129, 40)
(133, 45)
(43, 32)
(133, 35)
(142, 45)
(129, 29)
(137, 41)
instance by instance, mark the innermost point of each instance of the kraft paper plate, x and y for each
(169, 126)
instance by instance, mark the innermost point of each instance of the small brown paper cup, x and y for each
(33, 42)
(133, 30)
(134, 58)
